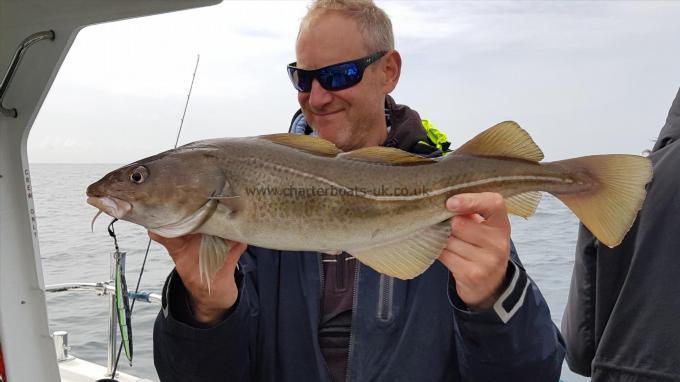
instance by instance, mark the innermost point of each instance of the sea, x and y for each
(72, 252)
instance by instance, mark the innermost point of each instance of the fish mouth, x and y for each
(111, 206)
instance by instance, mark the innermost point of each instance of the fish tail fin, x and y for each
(609, 209)
(211, 256)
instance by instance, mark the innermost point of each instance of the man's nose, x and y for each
(318, 96)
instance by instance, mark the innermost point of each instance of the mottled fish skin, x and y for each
(301, 193)
(342, 218)
(329, 222)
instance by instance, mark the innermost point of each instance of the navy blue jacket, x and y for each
(415, 330)
(401, 330)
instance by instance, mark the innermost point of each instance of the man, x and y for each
(621, 320)
(294, 316)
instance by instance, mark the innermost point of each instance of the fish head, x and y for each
(162, 190)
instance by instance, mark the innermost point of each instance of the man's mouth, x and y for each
(327, 114)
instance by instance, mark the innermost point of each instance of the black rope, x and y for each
(112, 233)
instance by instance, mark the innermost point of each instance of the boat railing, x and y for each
(101, 288)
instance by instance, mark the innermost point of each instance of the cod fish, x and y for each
(384, 206)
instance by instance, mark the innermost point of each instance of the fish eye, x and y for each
(139, 174)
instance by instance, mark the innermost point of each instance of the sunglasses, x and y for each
(333, 77)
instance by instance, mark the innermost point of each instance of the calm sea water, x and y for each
(72, 253)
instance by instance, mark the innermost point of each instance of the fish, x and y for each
(382, 205)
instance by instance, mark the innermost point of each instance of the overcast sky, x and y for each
(580, 77)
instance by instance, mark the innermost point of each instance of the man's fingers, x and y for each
(455, 263)
(179, 247)
(471, 230)
(171, 244)
(463, 248)
(157, 238)
(489, 205)
(477, 218)
(236, 249)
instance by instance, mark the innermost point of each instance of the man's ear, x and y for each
(391, 69)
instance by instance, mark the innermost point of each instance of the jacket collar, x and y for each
(405, 129)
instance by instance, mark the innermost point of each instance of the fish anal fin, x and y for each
(387, 156)
(523, 204)
(211, 256)
(312, 145)
(409, 257)
(505, 139)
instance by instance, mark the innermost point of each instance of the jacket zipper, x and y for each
(385, 293)
(321, 275)
(322, 280)
(354, 312)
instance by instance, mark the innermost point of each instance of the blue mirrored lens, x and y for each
(339, 77)
(301, 79)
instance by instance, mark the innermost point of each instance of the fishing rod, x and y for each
(123, 307)
(198, 58)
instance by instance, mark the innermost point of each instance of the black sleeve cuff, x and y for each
(176, 301)
(514, 288)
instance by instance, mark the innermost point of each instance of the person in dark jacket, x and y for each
(621, 319)
(275, 315)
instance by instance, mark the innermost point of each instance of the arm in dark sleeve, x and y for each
(185, 351)
(515, 340)
(578, 322)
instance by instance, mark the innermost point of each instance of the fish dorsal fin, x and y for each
(306, 143)
(409, 256)
(505, 139)
(524, 204)
(386, 155)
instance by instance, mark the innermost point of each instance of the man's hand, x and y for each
(207, 306)
(479, 246)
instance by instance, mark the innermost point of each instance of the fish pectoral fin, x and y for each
(313, 145)
(387, 156)
(226, 196)
(233, 203)
(211, 256)
(408, 257)
(505, 139)
(523, 204)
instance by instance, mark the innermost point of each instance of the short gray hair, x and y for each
(373, 22)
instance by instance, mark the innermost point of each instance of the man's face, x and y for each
(351, 117)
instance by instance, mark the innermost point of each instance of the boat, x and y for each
(35, 37)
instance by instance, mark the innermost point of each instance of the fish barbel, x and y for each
(384, 206)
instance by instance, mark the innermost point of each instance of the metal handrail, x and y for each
(14, 64)
(103, 288)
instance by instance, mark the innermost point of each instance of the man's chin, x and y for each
(328, 132)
